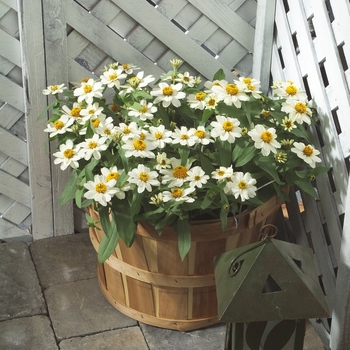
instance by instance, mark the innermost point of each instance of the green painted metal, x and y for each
(266, 281)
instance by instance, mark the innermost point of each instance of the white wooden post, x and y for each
(57, 72)
(33, 70)
(263, 42)
(340, 331)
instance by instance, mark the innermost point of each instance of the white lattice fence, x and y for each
(15, 201)
(311, 47)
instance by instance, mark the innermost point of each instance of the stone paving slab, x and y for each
(79, 308)
(212, 338)
(64, 259)
(27, 333)
(124, 339)
(20, 292)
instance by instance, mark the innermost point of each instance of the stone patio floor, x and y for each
(50, 299)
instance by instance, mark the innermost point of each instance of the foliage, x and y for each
(178, 151)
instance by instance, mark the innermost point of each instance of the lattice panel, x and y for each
(15, 201)
(150, 33)
(312, 48)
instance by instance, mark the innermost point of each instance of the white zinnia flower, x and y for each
(202, 136)
(289, 89)
(92, 111)
(243, 185)
(105, 127)
(298, 110)
(139, 148)
(178, 173)
(128, 68)
(178, 194)
(186, 79)
(307, 153)
(60, 126)
(265, 139)
(128, 131)
(226, 128)
(184, 136)
(197, 101)
(74, 113)
(67, 155)
(160, 136)
(231, 94)
(249, 85)
(162, 161)
(92, 147)
(100, 190)
(169, 94)
(136, 82)
(54, 89)
(112, 77)
(145, 112)
(143, 178)
(197, 177)
(88, 90)
(222, 173)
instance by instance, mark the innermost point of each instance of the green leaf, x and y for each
(225, 209)
(184, 154)
(270, 169)
(306, 187)
(107, 246)
(124, 221)
(182, 228)
(247, 155)
(52, 105)
(69, 191)
(206, 115)
(225, 152)
(219, 75)
(206, 163)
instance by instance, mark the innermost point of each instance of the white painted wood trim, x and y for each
(263, 42)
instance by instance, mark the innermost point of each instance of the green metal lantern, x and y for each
(268, 280)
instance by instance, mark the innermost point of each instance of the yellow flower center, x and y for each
(54, 87)
(107, 131)
(308, 151)
(158, 135)
(114, 107)
(87, 88)
(126, 130)
(125, 66)
(84, 80)
(265, 113)
(100, 187)
(221, 172)
(143, 109)
(144, 176)
(184, 137)
(267, 136)
(142, 136)
(227, 125)
(200, 96)
(139, 145)
(300, 107)
(247, 80)
(92, 111)
(180, 172)
(112, 76)
(176, 192)
(58, 124)
(168, 91)
(75, 112)
(291, 90)
(251, 87)
(112, 176)
(92, 144)
(68, 153)
(211, 102)
(242, 185)
(200, 134)
(197, 178)
(96, 123)
(232, 89)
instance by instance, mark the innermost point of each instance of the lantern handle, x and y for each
(234, 266)
(271, 234)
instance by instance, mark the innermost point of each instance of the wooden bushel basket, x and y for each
(149, 283)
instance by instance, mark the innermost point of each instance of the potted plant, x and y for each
(150, 158)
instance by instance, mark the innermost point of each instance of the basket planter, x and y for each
(149, 283)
